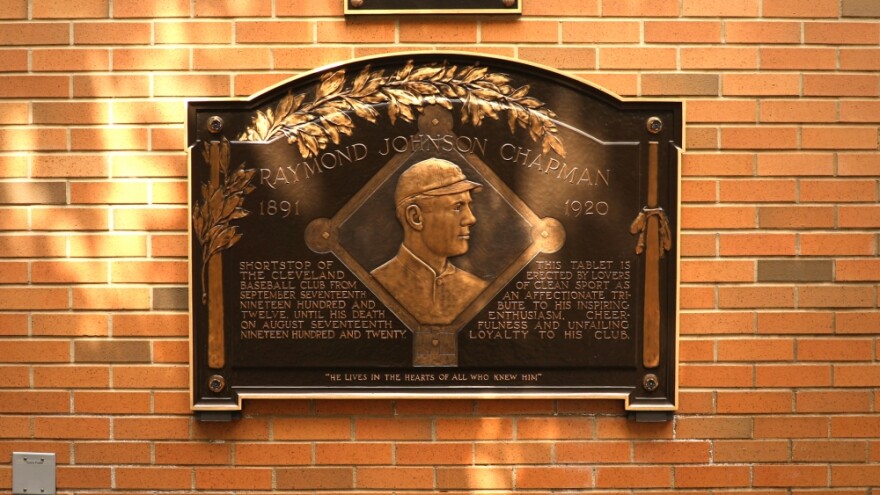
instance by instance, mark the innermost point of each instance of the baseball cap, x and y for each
(432, 177)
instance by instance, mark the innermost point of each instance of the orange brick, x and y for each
(437, 31)
(719, 58)
(592, 32)
(132, 59)
(16, 9)
(110, 86)
(356, 454)
(717, 271)
(561, 7)
(758, 190)
(33, 298)
(760, 84)
(841, 85)
(116, 33)
(757, 244)
(395, 477)
(233, 8)
(842, 33)
(62, 427)
(844, 137)
(108, 139)
(13, 272)
(69, 271)
(718, 217)
(358, 30)
(680, 84)
(620, 428)
(759, 349)
(149, 165)
(191, 85)
(150, 324)
(474, 478)
(555, 477)
(711, 111)
(136, 8)
(561, 57)
(796, 111)
(396, 429)
(860, 111)
(83, 477)
(698, 245)
(856, 375)
(31, 246)
(67, 218)
(798, 58)
(716, 323)
(154, 428)
(507, 453)
(72, 376)
(795, 217)
(34, 33)
(315, 429)
(168, 246)
(637, 58)
(255, 454)
(759, 138)
(793, 8)
(248, 84)
(16, 377)
(621, 84)
(202, 32)
(836, 296)
(671, 452)
(196, 454)
(854, 426)
(153, 478)
(486, 429)
(309, 57)
(35, 402)
(697, 298)
(754, 402)
(682, 31)
(314, 478)
(702, 138)
(150, 218)
(833, 401)
(149, 272)
(756, 297)
(857, 322)
(15, 427)
(13, 113)
(790, 476)
(835, 350)
(69, 166)
(161, 377)
(857, 270)
(354, 406)
(796, 322)
(837, 244)
(791, 427)
(13, 61)
(858, 216)
(70, 113)
(112, 452)
(793, 376)
(593, 452)
(107, 298)
(65, 10)
(432, 454)
(714, 427)
(762, 32)
(730, 451)
(279, 31)
(111, 402)
(720, 8)
(699, 191)
(640, 8)
(858, 475)
(231, 58)
(250, 430)
(32, 139)
(799, 164)
(108, 245)
(864, 59)
(726, 164)
(712, 476)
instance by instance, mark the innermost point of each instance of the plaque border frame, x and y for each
(525, 393)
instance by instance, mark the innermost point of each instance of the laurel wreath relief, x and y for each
(221, 204)
(482, 94)
(314, 124)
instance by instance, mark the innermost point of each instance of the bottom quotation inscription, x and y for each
(434, 225)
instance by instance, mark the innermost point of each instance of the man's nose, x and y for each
(468, 217)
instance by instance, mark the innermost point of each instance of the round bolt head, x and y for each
(654, 125)
(651, 382)
(215, 124)
(216, 383)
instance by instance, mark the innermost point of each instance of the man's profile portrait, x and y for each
(432, 203)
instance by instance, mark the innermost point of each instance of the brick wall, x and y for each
(780, 375)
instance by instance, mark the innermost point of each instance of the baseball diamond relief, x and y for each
(434, 225)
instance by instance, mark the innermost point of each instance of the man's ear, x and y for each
(413, 216)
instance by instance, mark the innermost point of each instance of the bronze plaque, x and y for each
(361, 7)
(434, 225)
